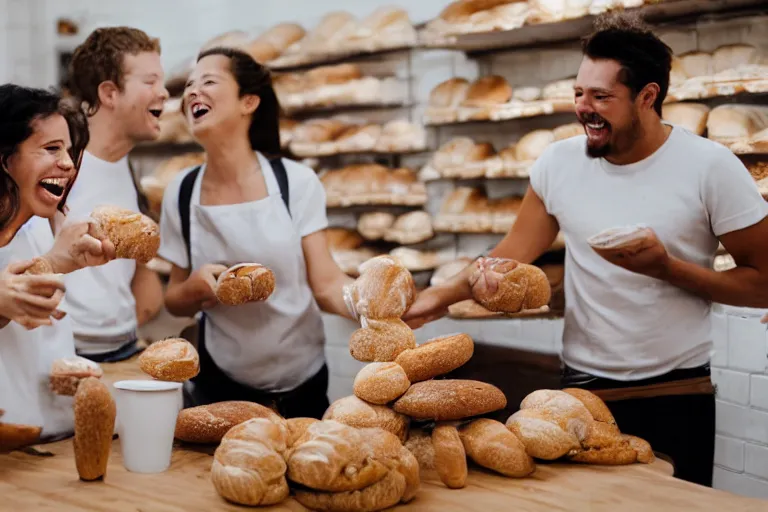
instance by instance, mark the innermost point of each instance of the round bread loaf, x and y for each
(543, 438)
(450, 456)
(562, 409)
(381, 383)
(381, 340)
(354, 412)
(207, 424)
(506, 286)
(436, 357)
(66, 374)
(135, 236)
(449, 399)
(383, 494)
(243, 283)
(385, 289)
(172, 359)
(490, 444)
(594, 405)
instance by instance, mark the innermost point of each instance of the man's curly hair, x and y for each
(644, 58)
(101, 58)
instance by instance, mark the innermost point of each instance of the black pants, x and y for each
(309, 399)
(123, 353)
(680, 427)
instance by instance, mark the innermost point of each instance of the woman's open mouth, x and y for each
(54, 186)
(198, 110)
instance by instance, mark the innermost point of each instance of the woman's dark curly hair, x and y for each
(21, 107)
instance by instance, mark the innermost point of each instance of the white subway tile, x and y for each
(731, 386)
(729, 453)
(737, 483)
(756, 460)
(757, 426)
(746, 344)
(719, 338)
(758, 393)
(731, 419)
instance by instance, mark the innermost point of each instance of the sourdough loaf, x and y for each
(449, 399)
(172, 359)
(381, 340)
(207, 424)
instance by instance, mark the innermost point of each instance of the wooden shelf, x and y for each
(337, 58)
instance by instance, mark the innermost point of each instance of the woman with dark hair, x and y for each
(246, 204)
(40, 142)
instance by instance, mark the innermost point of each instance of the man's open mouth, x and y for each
(156, 112)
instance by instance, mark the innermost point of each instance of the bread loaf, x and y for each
(384, 290)
(172, 359)
(297, 427)
(733, 123)
(339, 238)
(283, 35)
(450, 456)
(381, 341)
(381, 383)
(606, 446)
(490, 444)
(449, 399)
(14, 436)
(207, 424)
(248, 466)
(488, 90)
(243, 283)
(436, 357)
(532, 144)
(565, 410)
(389, 450)
(67, 373)
(567, 131)
(543, 438)
(411, 228)
(596, 407)
(374, 225)
(419, 443)
(383, 494)
(134, 235)
(95, 414)
(508, 286)
(691, 116)
(359, 414)
(449, 94)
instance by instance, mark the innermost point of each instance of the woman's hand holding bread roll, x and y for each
(245, 282)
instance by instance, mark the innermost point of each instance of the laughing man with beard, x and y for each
(637, 324)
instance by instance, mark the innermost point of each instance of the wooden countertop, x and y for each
(50, 482)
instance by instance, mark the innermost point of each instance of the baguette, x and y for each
(172, 359)
(243, 283)
(135, 236)
(95, 414)
(67, 373)
(450, 456)
(381, 383)
(436, 357)
(207, 424)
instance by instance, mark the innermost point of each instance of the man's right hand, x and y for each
(428, 307)
(202, 283)
(29, 300)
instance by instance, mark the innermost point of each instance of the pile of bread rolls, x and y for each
(335, 86)
(372, 184)
(324, 137)
(492, 98)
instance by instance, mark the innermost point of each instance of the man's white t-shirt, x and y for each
(622, 325)
(99, 299)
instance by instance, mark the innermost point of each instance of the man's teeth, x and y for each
(596, 126)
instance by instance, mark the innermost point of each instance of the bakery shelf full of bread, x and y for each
(492, 98)
(372, 184)
(742, 128)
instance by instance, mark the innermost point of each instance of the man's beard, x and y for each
(619, 141)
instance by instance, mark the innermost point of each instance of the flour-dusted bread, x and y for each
(297, 427)
(450, 456)
(134, 235)
(507, 286)
(605, 445)
(381, 341)
(435, 357)
(450, 399)
(207, 424)
(381, 495)
(357, 413)
(384, 290)
(490, 444)
(381, 383)
(243, 283)
(594, 404)
(488, 90)
(564, 409)
(67, 373)
(248, 466)
(95, 414)
(172, 359)
(542, 436)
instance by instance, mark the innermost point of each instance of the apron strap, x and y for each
(185, 198)
(281, 175)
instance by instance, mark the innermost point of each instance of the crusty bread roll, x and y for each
(95, 414)
(297, 427)
(488, 90)
(596, 407)
(14, 436)
(411, 228)
(419, 443)
(449, 399)
(543, 438)
(604, 445)
(449, 94)
(248, 466)
(436, 357)
(135, 236)
(172, 359)
(691, 116)
(385, 289)
(490, 444)
(389, 450)
(67, 373)
(243, 283)
(507, 286)
(565, 410)
(381, 383)
(356, 413)
(450, 456)
(381, 341)
(374, 225)
(532, 144)
(207, 424)
(382, 494)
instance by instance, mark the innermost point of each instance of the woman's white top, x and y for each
(26, 356)
(273, 345)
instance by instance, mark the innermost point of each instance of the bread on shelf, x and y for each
(410, 228)
(325, 137)
(462, 157)
(691, 116)
(732, 123)
(387, 27)
(446, 271)
(444, 100)
(372, 184)
(484, 95)
(419, 260)
(375, 225)
(472, 16)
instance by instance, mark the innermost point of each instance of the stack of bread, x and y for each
(410, 228)
(493, 98)
(339, 34)
(729, 70)
(340, 85)
(153, 186)
(324, 137)
(372, 184)
(399, 386)
(463, 158)
(743, 128)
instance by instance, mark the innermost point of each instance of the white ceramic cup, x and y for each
(146, 421)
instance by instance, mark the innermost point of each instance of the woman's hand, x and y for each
(79, 245)
(29, 300)
(202, 282)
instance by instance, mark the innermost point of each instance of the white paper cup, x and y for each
(146, 421)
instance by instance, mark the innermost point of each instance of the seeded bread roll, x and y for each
(66, 374)
(95, 413)
(172, 359)
(492, 446)
(246, 282)
(207, 424)
(381, 341)
(449, 399)
(354, 412)
(135, 236)
(436, 357)
(381, 383)
(450, 456)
